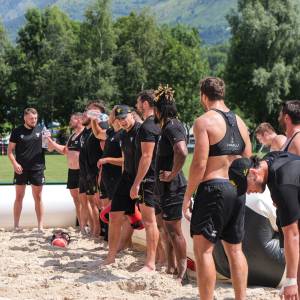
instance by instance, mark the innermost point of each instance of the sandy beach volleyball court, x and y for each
(33, 269)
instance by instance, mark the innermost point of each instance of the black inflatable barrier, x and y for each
(266, 260)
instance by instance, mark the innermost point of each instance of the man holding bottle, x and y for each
(29, 164)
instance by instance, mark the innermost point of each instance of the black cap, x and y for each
(238, 172)
(122, 111)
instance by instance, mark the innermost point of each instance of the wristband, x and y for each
(288, 282)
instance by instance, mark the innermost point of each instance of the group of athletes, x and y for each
(129, 163)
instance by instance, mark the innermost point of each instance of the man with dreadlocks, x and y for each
(218, 211)
(170, 182)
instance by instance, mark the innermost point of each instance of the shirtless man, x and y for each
(289, 123)
(218, 213)
(72, 150)
(267, 136)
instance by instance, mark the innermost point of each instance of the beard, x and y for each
(140, 111)
(87, 122)
(282, 126)
(205, 109)
(30, 126)
(73, 127)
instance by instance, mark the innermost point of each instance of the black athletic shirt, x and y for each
(127, 144)
(29, 152)
(74, 145)
(148, 132)
(93, 151)
(172, 132)
(112, 149)
(84, 135)
(232, 143)
(284, 183)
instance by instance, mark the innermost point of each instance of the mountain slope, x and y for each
(207, 15)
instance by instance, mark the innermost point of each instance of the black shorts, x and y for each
(170, 205)
(218, 213)
(89, 185)
(108, 185)
(73, 179)
(36, 178)
(146, 194)
(121, 200)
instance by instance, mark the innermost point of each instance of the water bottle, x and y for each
(44, 139)
(97, 115)
(103, 117)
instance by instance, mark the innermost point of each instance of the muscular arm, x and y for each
(98, 131)
(144, 164)
(245, 135)
(59, 148)
(180, 154)
(200, 157)
(10, 153)
(291, 250)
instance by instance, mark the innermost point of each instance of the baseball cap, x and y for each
(238, 172)
(122, 111)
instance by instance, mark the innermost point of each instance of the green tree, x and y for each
(140, 43)
(5, 71)
(263, 55)
(216, 57)
(182, 67)
(95, 53)
(43, 66)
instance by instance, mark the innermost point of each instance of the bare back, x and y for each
(213, 129)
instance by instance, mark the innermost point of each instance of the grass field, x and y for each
(57, 168)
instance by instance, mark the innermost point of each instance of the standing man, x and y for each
(267, 136)
(218, 212)
(142, 188)
(289, 123)
(111, 161)
(94, 151)
(170, 184)
(84, 188)
(29, 164)
(72, 150)
(281, 173)
(122, 204)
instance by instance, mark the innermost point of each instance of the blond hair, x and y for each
(30, 110)
(264, 127)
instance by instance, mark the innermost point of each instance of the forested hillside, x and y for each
(207, 15)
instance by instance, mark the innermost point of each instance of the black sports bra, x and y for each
(232, 143)
(74, 145)
(288, 145)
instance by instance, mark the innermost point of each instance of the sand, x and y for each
(31, 268)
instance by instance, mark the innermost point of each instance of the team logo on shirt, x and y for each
(21, 136)
(37, 134)
(131, 139)
(120, 143)
(76, 142)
